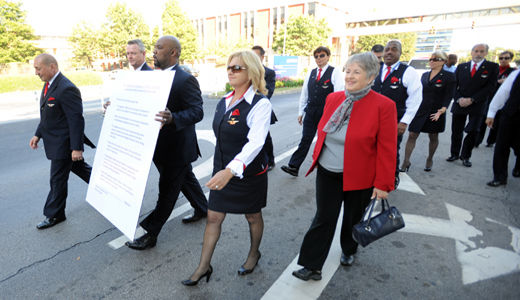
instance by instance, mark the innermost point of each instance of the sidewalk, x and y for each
(17, 106)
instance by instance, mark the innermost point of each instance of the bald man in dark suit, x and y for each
(61, 128)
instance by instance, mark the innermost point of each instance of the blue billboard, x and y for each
(285, 66)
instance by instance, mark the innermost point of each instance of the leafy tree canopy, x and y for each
(408, 39)
(15, 34)
(304, 34)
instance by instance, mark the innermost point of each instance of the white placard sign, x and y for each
(126, 146)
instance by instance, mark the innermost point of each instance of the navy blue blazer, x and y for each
(61, 119)
(480, 87)
(146, 67)
(177, 142)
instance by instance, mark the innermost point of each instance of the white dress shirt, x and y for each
(478, 64)
(52, 79)
(413, 85)
(140, 67)
(258, 120)
(502, 95)
(337, 79)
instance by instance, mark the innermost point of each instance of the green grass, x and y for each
(14, 83)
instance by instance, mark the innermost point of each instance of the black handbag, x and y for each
(373, 228)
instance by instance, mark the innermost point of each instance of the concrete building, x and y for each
(257, 23)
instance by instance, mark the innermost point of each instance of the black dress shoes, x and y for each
(189, 282)
(290, 170)
(495, 183)
(244, 271)
(452, 158)
(346, 260)
(270, 166)
(306, 274)
(144, 242)
(466, 162)
(49, 222)
(194, 218)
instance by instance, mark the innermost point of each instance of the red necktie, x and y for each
(46, 88)
(319, 75)
(474, 70)
(388, 69)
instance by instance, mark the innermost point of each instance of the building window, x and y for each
(312, 8)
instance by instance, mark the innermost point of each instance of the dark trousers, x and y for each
(59, 176)
(399, 140)
(171, 180)
(310, 126)
(193, 192)
(493, 132)
(268, 147)
(458, 126)
(508, 137)
(329, 197)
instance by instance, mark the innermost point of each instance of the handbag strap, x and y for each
(370, 208)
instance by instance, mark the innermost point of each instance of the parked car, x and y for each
(421, 64)
(193, 71)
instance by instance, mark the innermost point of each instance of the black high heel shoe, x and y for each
(244, 271)
(428, 166)
(405, 169)
(189, 282)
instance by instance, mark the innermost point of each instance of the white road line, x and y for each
(407, 184)
(288, 287)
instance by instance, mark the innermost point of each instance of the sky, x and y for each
(57, 17)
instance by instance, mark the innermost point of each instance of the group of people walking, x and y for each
(359, 118)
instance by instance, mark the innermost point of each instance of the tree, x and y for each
(85, 44)
(223, 49)
(304, 34)
(15, 35)
(408, 39)
(122, 25)
(176, 23)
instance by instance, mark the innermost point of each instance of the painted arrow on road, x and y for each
(478, 263)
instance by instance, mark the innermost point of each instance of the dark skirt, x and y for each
(422, 123)
(240, 196)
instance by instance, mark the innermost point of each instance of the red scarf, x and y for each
(502, 69)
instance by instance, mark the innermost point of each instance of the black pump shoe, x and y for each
(405, 169)
(244, 271)
(189, 282)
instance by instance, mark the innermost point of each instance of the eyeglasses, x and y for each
(436, 59)
(504, 58)
(320, 56)
(236, 68)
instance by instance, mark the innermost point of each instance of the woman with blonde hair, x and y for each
(239, 182)
(438, 90)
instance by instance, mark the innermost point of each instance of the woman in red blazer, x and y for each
(355, 156)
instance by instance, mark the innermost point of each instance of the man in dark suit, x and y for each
(476, 81)
(136, 55)
(61, 128)
(270, 84)
(507, 101)
(177, 145)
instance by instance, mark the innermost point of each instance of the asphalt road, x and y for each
(461, 240)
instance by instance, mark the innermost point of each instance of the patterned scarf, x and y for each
(342, 113)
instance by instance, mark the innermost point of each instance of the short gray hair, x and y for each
(366, 61)
(397, 42)
(440, 54)
(481, 44)
(139, 44)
